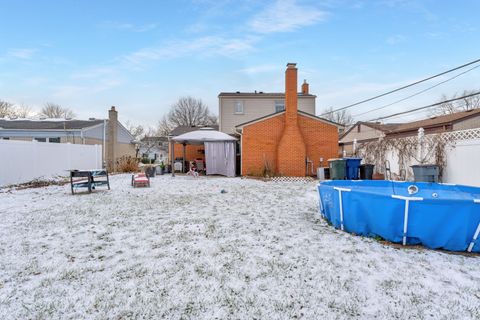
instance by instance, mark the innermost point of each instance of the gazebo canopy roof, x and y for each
(203, 135)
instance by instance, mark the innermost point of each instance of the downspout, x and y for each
(240, 132)
(104, 139)
(172, 156)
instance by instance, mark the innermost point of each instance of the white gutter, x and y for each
(104, 138)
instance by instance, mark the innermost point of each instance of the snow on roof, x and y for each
(203, 136)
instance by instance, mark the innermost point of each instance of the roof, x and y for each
(203, 135)
(154, 139)
(384, 127)
(184, 129)
(282, 112)
(57, 124)
(391, 128)
(436, 121)
(261, 94)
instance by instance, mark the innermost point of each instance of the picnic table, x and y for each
(89, 179)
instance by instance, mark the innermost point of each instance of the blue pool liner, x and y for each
(437, 216)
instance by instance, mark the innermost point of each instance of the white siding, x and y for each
(254, 108)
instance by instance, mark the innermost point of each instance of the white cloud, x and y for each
(284, 16)
(396, 39)
(95, 72)
(260, 69)
(204, 46)
(24, 53)
(128, 26)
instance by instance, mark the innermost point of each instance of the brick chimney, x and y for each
(305, 87)
(291, 150)
(111, 155)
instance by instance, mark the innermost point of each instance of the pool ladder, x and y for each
(388, 172)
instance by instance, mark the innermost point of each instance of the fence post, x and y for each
(421, 144)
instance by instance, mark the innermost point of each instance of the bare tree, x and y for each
(164, 127)
(53, 110)
(23, 111)
(187, 111)
(137, 131)
(7, 109)
(342, 117)
(464, 104)
(10, 110)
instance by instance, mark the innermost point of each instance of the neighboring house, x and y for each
(240, 107)
(363, 132)
(451, 122)
(368, 131)
(290, 142)
(154, 148)
(192, 152)
(92, 131)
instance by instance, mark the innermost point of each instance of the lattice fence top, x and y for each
(451, 136)
(469, 134)
(293, 179)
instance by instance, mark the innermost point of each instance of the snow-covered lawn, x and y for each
(182, 249)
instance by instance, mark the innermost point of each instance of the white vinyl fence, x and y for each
(24, 161)
(461, 155)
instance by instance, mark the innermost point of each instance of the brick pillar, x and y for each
(112, 140)
(291, 150)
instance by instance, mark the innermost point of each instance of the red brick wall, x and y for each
(321, 140)
(260, 142)
(192, 151)
(259, 145)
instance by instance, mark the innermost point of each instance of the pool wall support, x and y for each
(405, 217)
(477, 232)
(340, 190)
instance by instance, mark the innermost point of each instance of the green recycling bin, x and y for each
(338, 169)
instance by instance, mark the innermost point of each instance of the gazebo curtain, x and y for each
(220, 158)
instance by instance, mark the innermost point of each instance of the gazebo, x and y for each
(219, 150)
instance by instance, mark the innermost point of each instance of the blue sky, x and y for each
(142, 55)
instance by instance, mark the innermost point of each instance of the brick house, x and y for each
(290, 142)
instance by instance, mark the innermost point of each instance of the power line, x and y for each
(426, 107)
(417, 93)
(401, 88)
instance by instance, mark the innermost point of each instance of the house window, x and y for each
(238, 107)
(54, 140)
(279, 105)
(40, 139)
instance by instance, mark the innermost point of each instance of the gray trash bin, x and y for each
(426, 172)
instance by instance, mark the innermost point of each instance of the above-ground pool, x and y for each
(438, 216)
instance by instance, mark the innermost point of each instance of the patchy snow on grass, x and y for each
(183, 249)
